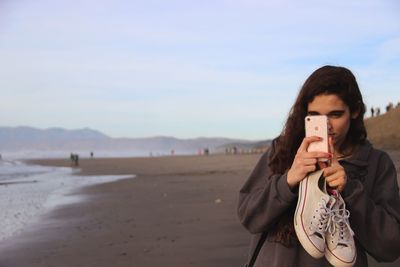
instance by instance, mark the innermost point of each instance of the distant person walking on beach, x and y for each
(235, 150)
(372, 111)
(74, 159)
(378, 111)
(389, 106)
(359, 212)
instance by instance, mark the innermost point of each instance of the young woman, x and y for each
(365, 177)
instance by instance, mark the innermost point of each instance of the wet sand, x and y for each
(178, 211)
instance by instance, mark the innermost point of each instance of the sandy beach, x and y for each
(177, 211)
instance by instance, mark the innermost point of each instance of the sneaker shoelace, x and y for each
(340, 222)
(322, 218)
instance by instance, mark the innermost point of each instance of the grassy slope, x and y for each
(384, 130)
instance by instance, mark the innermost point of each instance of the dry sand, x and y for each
(178, 211)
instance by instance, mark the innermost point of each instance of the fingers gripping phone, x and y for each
(317, 125)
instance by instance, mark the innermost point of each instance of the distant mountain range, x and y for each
(57, 139)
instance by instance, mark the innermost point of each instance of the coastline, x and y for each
(178, 211)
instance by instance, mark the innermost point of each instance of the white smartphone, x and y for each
(317, 125)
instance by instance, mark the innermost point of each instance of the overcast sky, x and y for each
(185, 68)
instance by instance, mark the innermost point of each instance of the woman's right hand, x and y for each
(304, 162)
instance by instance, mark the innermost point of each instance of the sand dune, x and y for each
(384, 130)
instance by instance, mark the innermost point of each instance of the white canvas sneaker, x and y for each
(313, 214)
(341, 249)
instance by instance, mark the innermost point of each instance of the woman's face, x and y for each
(338, 116)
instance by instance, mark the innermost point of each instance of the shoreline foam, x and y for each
(28, 191)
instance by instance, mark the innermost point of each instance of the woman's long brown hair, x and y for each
(325, 80)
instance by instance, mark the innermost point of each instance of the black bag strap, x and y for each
(257, 250)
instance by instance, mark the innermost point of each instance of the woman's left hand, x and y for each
(335, 174)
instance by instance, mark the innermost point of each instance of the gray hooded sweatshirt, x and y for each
(371, 195)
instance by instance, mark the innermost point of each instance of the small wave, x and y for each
(30, 191)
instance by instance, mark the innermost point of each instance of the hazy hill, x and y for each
(57, 139)
(384, 130)
(19, 138)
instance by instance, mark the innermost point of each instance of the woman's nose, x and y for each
(329, 125)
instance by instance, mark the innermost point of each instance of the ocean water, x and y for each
(29, 191)
(37, 154)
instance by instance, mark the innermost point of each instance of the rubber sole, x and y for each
(299, 227)
(335, 261)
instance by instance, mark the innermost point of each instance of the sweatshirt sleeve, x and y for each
(375, 217)
(263, 198)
